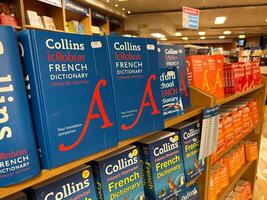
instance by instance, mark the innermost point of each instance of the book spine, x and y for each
(148, 173)
(30, 68)
(18, 153)
(97, 180)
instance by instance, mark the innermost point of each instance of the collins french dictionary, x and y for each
(136, 85)
(118, 175)
(70, 92)
(18, 152)
(78, 184)
(162, 165)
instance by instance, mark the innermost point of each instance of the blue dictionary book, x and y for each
(169, 81)
(163, 166)
(70, 94)
(18, 152)
(190, 193)
(190, 134)
(175, 57)
(135, 77)
(118, 176)
(78, 184)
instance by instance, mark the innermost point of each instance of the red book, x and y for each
(255, 68)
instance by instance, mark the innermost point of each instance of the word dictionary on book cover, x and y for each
(18, 152)
(119, 175)
(70, 94)
(78, 184)
(190, 135)
(163, 166)
(169, 81)
(135, 76)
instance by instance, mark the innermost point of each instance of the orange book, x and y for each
(205, 72)
(254, 110)
(228, 128)
(230, 164)
(251, 149)
(246, 187)
(212, 188)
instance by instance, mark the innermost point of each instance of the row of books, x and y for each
(35, 20)
(151, 169)
(242, 190)
(236, 121)
(83, 90)
(210, 74)
(228, 166)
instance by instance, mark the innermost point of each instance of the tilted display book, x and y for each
(18, 152)
(169, 81)
(136, 85)
(70, 94)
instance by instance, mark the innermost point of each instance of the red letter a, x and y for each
(148, 90)
(96, 99)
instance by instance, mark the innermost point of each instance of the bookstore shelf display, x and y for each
(203, 180)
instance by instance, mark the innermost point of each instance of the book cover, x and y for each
(119, 175)
(255, 67)
(190, 193)
(78, 184)
(206, 73)
(18, 153)
(70, 94)
(190, 135)
(48, 22)
(34, 19)
(163, 166)
(169, 81)
(136, 85)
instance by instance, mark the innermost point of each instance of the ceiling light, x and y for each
(129, 12)
(201, 33)
(227, 32)
(220, 20)
(122, 0)
(123, 9)
(178, 34)
(202, 37)
(116, 5)
(184, 38)
(221, 37)
(241, 36)
(107, 1)
(266, 20)
(164, 39)
(158, 35)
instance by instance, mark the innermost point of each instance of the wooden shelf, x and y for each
(236, 142)
(39, 28)
(233, 180)
(193, 111)
(232, 97)
(48, 174)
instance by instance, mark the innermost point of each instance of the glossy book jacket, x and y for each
(18, 153)
(136, 85)
(70, 90)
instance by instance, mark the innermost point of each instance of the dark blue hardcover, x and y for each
(135, 77)
(18, 153)
(70, 94)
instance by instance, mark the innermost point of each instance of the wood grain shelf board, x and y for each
(193, 111)
(39, 28)
(252, 131)
(232, 97)
(48, 174)
(233, 180)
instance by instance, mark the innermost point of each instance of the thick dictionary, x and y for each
(136, 85)
(70, 94)
(18, 152)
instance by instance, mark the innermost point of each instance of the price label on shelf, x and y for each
(209, 132)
